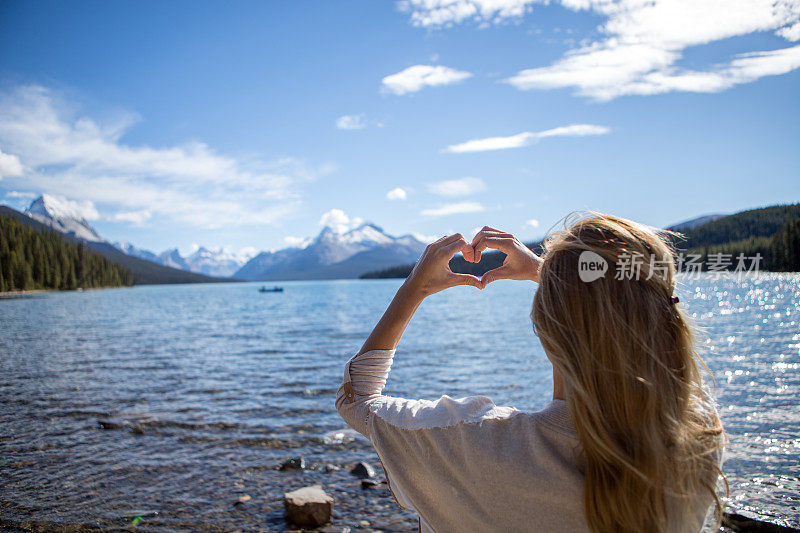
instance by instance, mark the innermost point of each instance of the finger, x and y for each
(458, 245)
(486, 233)
(504, 244)
(437, 246)
(466, 279)
(501, 272)
(486, 230)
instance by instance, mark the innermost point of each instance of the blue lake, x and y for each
(205, 389)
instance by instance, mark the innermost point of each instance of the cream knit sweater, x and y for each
(467, 465)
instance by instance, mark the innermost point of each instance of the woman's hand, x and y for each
(520, 262)
(432, 272)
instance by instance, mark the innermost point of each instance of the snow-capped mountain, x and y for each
(129, 249)
(173, 258)
(64, 216)
(210, 261)
(215, 262)
(335, 254)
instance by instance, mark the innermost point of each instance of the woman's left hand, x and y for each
(432, 272)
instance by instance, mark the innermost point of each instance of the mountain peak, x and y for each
(64, 216)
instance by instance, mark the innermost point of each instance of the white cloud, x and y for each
(459, 187)
(532, 223)
(81, 157)
(525, 138)
(134, 217)
(10, 165)
(338, 221)
(454, 209)
(417, 77)
(396, 194)
(641, 42)
(351, 122)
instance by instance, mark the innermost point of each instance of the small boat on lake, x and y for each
(270, 289)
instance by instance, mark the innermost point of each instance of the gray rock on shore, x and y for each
(308, 507)
(363, 470)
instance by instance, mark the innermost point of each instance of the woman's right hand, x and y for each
(520, 262)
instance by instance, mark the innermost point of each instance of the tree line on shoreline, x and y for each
(34, 260)
(772, 233)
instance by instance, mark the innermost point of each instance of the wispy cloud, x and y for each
(459, 187)
(415, 78)
(437, 13)
(525, 138)
(396, 194)
(645, 40)
(351, 122)
(21, 194)
(641, 43)
(136, 218)
(454, 209)
(533, 223)
(80, 157)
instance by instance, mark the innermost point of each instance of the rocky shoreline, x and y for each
(318, 496)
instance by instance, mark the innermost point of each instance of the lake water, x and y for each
(208, 388)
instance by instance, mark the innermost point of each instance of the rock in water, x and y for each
(363, 470)
(309, 506)
(296, 463)
(370, 484)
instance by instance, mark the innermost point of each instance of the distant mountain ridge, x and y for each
(694, 222)
(208, 261)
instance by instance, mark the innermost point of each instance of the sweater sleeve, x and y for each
(364, 379)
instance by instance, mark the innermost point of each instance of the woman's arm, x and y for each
(365, 374)
(431, 274)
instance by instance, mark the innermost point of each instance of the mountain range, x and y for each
(208, 261)
(332, 254)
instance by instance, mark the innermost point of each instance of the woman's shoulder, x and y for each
(446, 412)
(443, 412)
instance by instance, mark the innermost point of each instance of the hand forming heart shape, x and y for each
(432, 272)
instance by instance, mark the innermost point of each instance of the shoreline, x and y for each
(13, 295)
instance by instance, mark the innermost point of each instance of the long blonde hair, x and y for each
(649, 434)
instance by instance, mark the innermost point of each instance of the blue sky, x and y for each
(250, 124)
